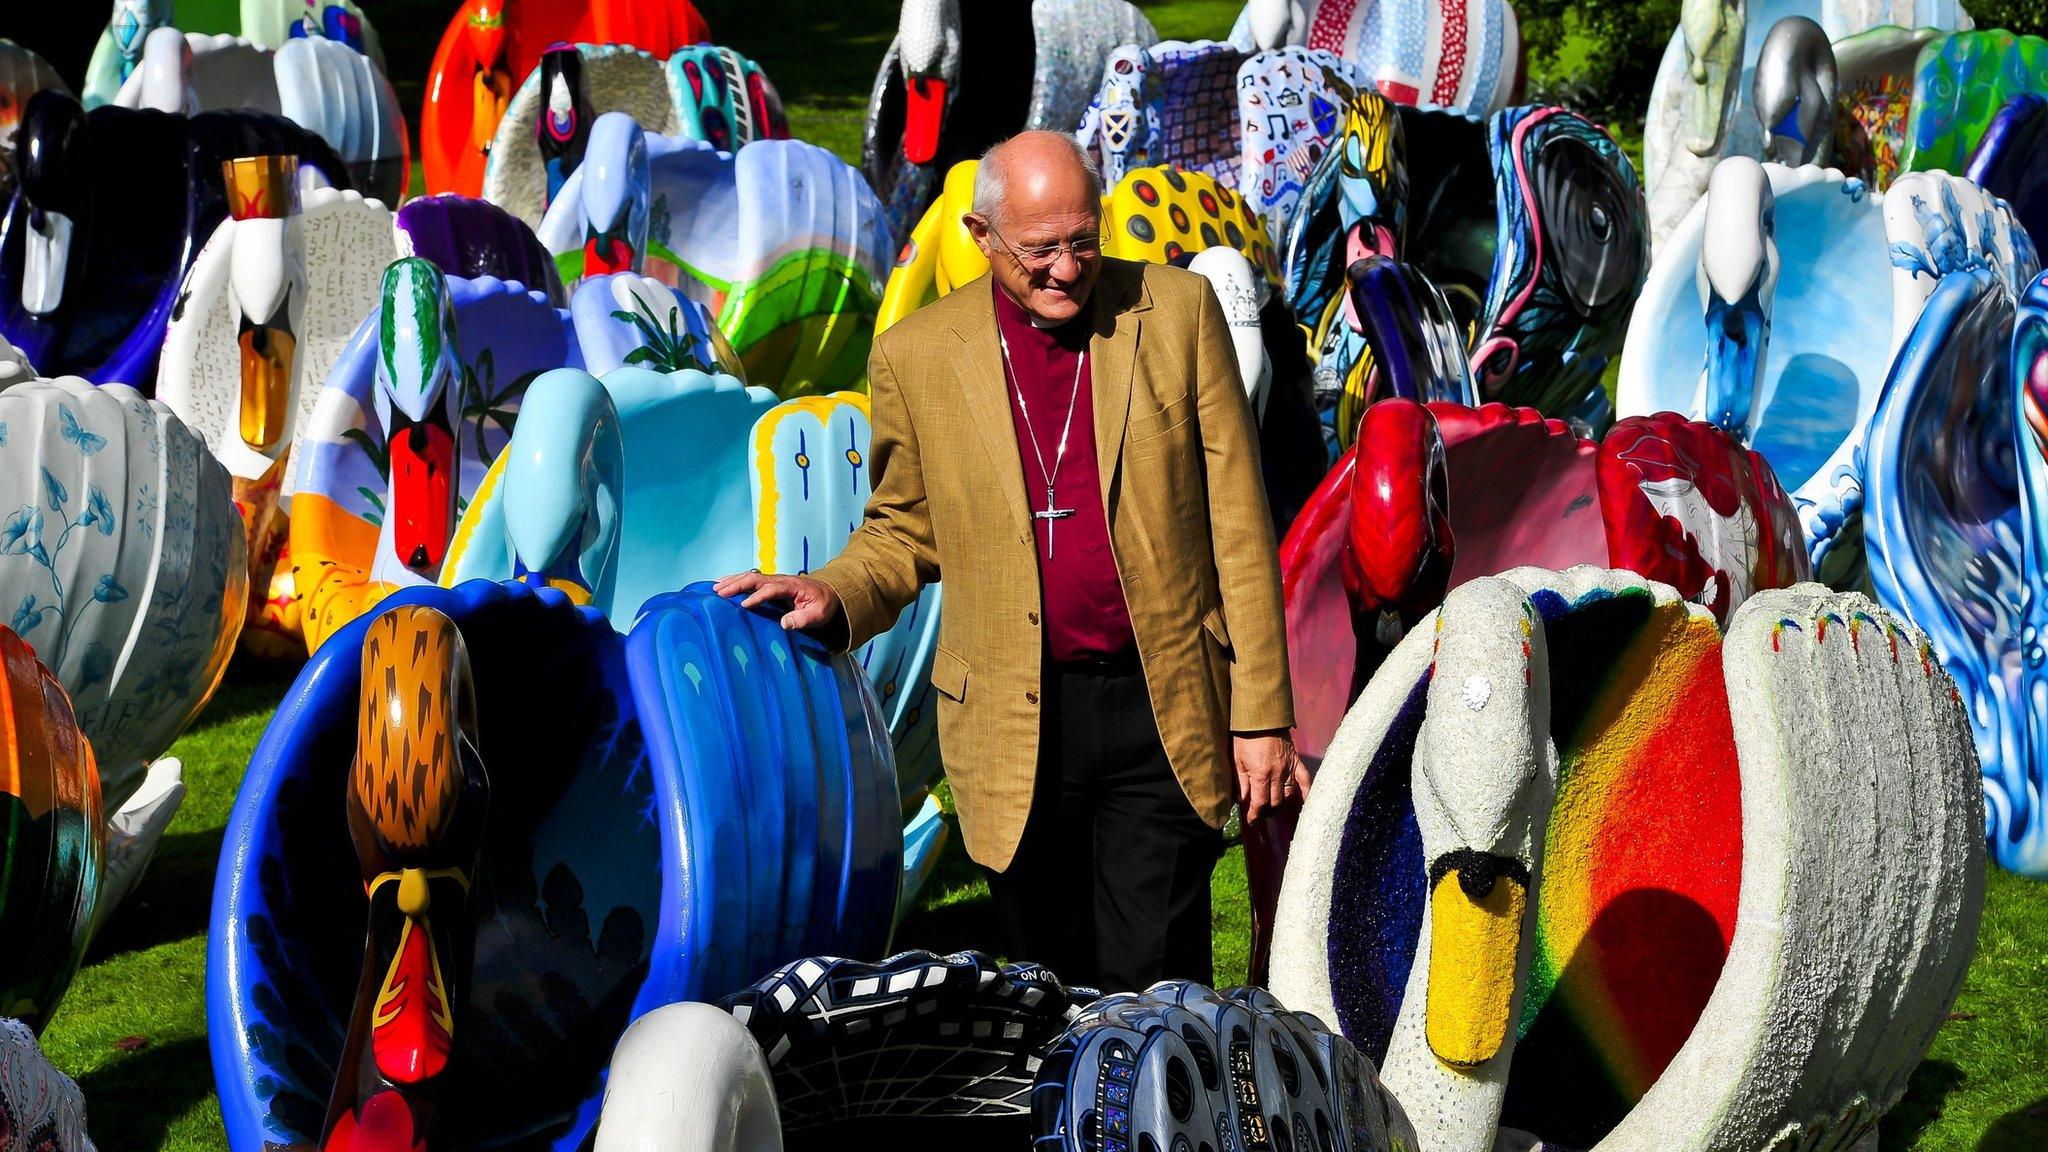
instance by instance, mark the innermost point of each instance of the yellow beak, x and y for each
(267, 351)
(1474, 944)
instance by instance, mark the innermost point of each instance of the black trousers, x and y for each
(1110, 884)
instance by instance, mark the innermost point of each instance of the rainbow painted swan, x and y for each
(1583, 868)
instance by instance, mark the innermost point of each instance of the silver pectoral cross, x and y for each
(1051, 516)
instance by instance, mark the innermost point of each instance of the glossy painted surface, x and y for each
(1569, 259)
(694, 801)
(1854, 270)
(1960, 83)
(121, 562)
(491, 46)
(92, 291)
(52, 838)
(783, 243)
(2007, 161)
(1949, 524)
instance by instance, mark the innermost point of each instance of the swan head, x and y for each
(1401, 545)
(419, 403)
(49, 148)
(928, 51)
(167, 68)
(416, 805)
(617, 182)
(265, 272)
(687, 1077)
(564, 473)
(563, 130)
(1484, 774)
(1737, 278)
(131, 25)
(1793, 90)
(1277, 23)
(1237, 286)
(483, 27)
(1711, 33)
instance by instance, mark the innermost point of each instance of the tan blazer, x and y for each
(1188, 525)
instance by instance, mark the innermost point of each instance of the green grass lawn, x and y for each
(133, 1029)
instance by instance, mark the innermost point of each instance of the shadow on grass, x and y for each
(1926, 1093)
(173, 901)
(250, 688)
(2024, 1130)
(170, 1078)
(963, 920)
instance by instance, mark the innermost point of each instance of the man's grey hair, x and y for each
(991, 181)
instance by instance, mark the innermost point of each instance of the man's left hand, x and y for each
(1269, 773)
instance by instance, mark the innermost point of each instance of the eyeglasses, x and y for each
(1046, 255)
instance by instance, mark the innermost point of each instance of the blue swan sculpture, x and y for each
(1955, 492)
(588, 499)
(672, 812)
(1777, 312)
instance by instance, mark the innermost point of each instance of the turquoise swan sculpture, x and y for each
(588, 499)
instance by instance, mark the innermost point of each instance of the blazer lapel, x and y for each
(1121, 300)
(979, 369)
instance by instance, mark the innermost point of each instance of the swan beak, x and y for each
(924, 112)
(267, 351)
(1476, 908)
(422, 491)
(412, 1024)
(608, 251)
(46, 256)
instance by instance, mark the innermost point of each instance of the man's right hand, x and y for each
(812, 602)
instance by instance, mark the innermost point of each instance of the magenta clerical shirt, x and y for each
(1083, 598)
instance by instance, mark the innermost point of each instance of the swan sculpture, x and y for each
(23, 73)
(1950, 522)
(411, 417)
(1764, 962)
(264, 24)
(252, 343)
(88, 284)
(121, 561)
(782, 241)
(1173, 102)
(492, 47)
(1447, 53)
(959, 77)
(700, 93)
(586, 499)
(55, 841)
(2006, 162)
(688, 1078)
(961, 1035)
(1704, 103)
(323, 85)
(671, 811)
(1796, 371)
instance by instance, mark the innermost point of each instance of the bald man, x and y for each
(1068, 442)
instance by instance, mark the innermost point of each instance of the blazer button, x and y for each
(1031, 697)
(1032, 616)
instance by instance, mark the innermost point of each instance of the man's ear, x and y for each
(978, 231)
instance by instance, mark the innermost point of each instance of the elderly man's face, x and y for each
(1043, 242)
